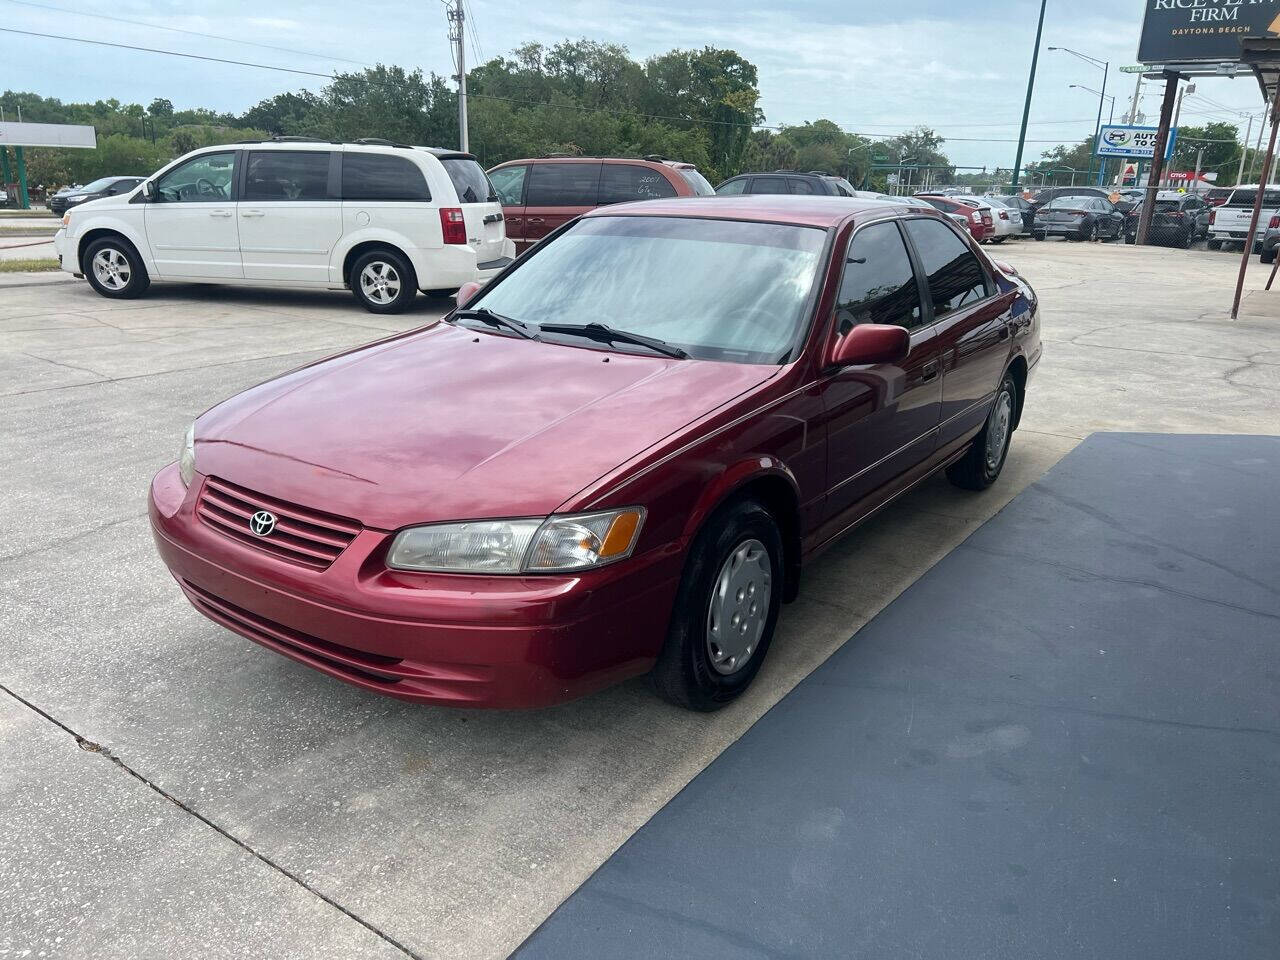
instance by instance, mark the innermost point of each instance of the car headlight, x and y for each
(71, 200)
(537, 545)
(187, 459)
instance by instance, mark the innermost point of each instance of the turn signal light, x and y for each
(453, 225)
(1273, 223)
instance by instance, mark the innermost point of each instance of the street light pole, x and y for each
(1026, 107)
(1105, 67)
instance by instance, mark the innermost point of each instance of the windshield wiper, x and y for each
(604, 333)
(485, 315)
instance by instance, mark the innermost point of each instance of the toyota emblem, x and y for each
(262, 523)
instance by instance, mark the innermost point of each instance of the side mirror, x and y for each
(1005, 268)
(149, 189)
(872, 343)
(467, 292)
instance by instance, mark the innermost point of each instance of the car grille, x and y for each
(301, 536)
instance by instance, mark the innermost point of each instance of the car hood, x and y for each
(449, 423)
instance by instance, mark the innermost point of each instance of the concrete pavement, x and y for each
(450, 833)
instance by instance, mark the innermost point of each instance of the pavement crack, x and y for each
(89, 746)
(65, 366)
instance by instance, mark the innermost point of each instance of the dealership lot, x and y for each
(272, 811)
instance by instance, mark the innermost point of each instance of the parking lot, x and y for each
(173, 789)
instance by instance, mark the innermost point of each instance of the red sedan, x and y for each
(615, 459)
(981, 225)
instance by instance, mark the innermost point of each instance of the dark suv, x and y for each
(1178, 220)
(104, 187)
(538, 195)
(815, 182)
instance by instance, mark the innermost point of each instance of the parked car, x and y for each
(616, 458)
(1050, 194)
(542, 194)
(981, 226)
(381, 219)
(1270, 240)
(102, 187)
(1026, 211)
(1178, 220)
(813, 183)
(959, 219)
(1007, 222)
(1229, 222)
(1079, 218)
(1217, 196)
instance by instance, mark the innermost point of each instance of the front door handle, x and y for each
(253, 213)
(536, 220)
(515, 220)
(929, 371)
(219, 213)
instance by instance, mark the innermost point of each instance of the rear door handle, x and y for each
(515, 220)
(219, 213)
(253, 213)
(536, 220)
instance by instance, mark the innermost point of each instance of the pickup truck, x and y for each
(1229, 223)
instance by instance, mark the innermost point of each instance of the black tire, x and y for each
(684, 674)
(1213, 243)
(395, 271)
(1037, 236)
(1090, 234)
(1268, 255)
(974, 471)
(114, 269)
(1257, 246)
(1187, 239)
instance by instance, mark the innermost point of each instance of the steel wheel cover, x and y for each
(739, 607)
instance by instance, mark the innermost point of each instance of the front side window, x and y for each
(802, 186)
(955, 277)
(380, 176)
(287, 175)
(509, 182)
(732, 188)
(769, 185)
(878, 285)
(620, 182)
(722, 290)
(563, 185)
(206, 178)
(469, 180)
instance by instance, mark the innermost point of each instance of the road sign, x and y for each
(892, 179)
(1137, 142)
(1178, 30)
(1135, 68)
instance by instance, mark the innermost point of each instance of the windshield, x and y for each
(721, 290)
(1067, 203)
(469, 180)
(701, 186)
(100, 184)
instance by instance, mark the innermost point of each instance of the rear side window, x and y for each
(701, 187)
(620, 182)
(1246, 198)
(509, 182)
(563, 185)
(802, 186)
(954, 275)
(469, 181)
(878, 285)
(769, 185)
(732, 187)
(378, 176)
(286, 175)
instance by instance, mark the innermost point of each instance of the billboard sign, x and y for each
(47, 135)
(1180, 31)
(1134, 142)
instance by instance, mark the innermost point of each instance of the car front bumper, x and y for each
(460, 640)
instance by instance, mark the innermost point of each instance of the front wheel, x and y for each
(383, 281)
(114, 269)
(1268, 255)
(980, 467)
(1213, 243)
(726, 610)
(1037, 236)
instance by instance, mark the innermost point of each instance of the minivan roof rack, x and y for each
(655, 158)
(380, 142)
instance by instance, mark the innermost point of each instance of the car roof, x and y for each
(763, 207)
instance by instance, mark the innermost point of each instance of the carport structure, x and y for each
(1262, 56)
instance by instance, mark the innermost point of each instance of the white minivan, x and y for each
(382, 219)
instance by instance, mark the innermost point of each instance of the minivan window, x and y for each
(731, 188)
(620, 182)
(721, 290)
(701, 186)
(955, 276)
(287, 175)
(563, 185)
(380, 176)
(878, 285)
(509, 182)
(769, 185)
(202, 179)
(469, 180)
(801, 186)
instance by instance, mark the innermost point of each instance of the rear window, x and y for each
(1167, 205)
(701, 185)
(620, 182)
(1247, 198)
(469, 180)
(377, 176)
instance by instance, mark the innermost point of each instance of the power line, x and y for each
(191, 33)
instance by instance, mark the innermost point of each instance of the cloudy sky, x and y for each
(872, 66)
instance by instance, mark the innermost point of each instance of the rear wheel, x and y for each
(383, 281)
(1213, 243)
(114, 269)
(726, 610)
(980, 467)
(1037, 236)
(1268, 255)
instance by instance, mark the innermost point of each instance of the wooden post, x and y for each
(1157, 158)
(1263, 178)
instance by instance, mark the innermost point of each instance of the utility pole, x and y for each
(1177, 113)
(1257, 150)
(1171, 79)
(1131, 118)
(456, 19)
(1248, 135)
(1026, 107)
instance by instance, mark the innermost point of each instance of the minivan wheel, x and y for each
(980, 467)
(726, 610)
(383, 281)
(114, 269)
